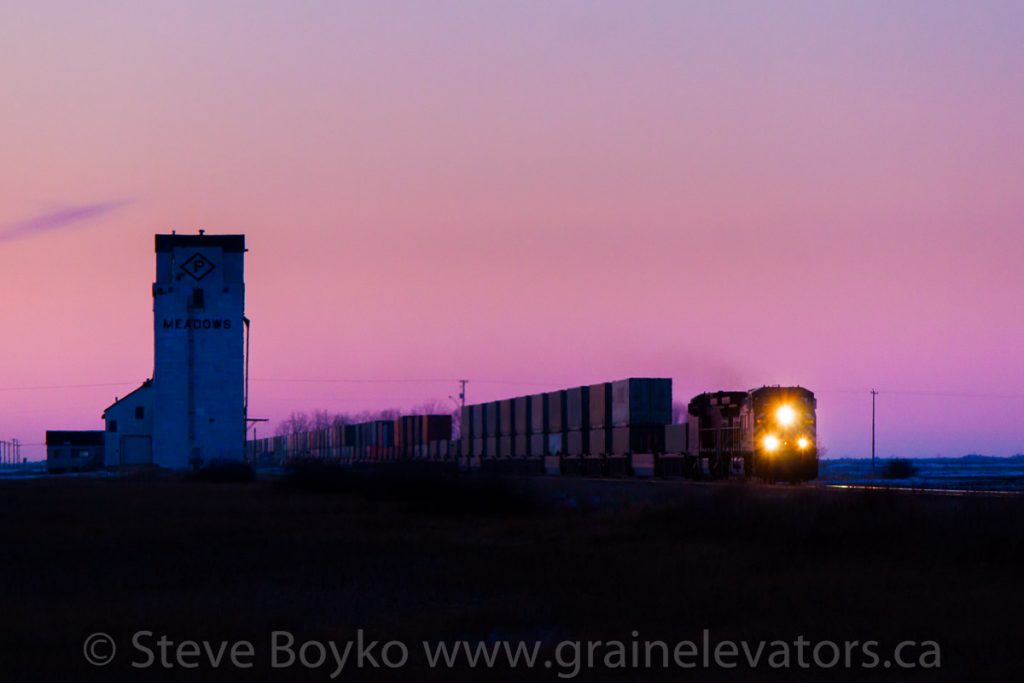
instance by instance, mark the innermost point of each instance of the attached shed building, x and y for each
(129, 434)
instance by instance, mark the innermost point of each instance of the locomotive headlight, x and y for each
(771, 443)
(803, 443)
(785, 415)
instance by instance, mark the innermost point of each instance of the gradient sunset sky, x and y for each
(531, 195)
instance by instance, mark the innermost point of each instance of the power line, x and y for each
(924, 392)
(48, 387)
(955, 394)
(521, 383)
(282, 380)
(526, 383)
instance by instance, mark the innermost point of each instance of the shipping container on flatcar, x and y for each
(577, 409)
(600, 398)
(641, 401)
(539, 414)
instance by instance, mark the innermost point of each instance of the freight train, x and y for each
(617, 428)
(768, 433)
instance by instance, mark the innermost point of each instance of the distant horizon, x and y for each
(832, 458)
(1016, 456)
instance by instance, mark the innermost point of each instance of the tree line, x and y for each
(300, 421)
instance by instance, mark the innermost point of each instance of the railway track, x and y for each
(921, 490)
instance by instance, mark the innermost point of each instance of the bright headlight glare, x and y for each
(785, 415)
(804, 443)
(771, 443)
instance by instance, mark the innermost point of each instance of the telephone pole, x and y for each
(461, 403)
(873, 394)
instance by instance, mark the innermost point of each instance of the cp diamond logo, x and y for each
(197, 266)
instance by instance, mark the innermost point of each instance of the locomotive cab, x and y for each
(785, 443)
(768, 433)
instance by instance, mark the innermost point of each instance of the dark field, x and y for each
(526, 560)
(971, 473)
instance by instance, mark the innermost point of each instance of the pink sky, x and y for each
(730, 194)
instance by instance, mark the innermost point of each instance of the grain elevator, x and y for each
(199, 349)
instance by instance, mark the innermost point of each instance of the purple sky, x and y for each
(531, 195)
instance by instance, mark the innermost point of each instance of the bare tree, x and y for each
(457, 423)
(321, 419)
(363, 416)
(295, 423)
(431, 407)
(299, 422)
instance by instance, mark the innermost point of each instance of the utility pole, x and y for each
(873, 394)
(245, 399)
(461, 403)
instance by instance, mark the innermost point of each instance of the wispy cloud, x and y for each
(58, 220)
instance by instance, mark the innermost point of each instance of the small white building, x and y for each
(129, 428)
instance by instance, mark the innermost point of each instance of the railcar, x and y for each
(768, 433)
(610, 429)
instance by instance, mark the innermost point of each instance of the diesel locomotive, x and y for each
(767, 433)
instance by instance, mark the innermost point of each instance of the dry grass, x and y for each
(443, 560)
